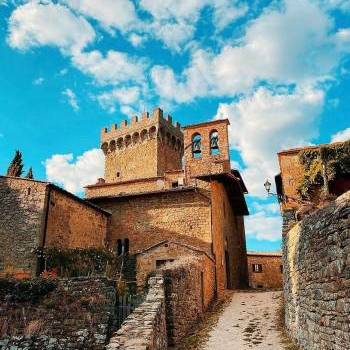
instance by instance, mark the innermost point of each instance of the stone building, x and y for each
(265, 270)
(37, 214)
(167, 183)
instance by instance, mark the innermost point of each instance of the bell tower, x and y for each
(206, 148)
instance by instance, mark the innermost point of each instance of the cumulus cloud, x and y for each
(263, 226)
(343, 135)
(266, 122)
(36, 24)
(273, 49)
(125, 96)
(118, 14)
(71, 98)
(113, 68)
(74, 174)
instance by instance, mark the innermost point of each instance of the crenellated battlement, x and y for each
(137, 124)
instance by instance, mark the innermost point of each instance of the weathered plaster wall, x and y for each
(316, 260)
(73, 224)
(271, 275)
(228, 241)
(76, 315)
(22, 204)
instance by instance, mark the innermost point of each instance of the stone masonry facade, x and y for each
(36, 214)
(265, 270)
(316, 261)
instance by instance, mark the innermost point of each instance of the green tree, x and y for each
(30, 174)
(16, 166)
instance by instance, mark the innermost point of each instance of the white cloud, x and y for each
(136, 39)
(273, 49)
(36, 24)
(113, 68)
(124, 96)
(343, 135)
(38, 81)
(263, 226)
(272, 208)
(118, 14)
(264, 123)
(74, 174)
(71, 98)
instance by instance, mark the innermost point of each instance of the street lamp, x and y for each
(267, 186)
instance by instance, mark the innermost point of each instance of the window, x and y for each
(174, 184)
(28, 191)
(122, 246)
(197, 146)
(161, 263)
(281, 268)
(257, 268)
(118, 173)
(214, 143)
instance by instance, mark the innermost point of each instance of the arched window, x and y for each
(135, 138)
(112, 146)
(104, 147)
(144, 135)
(197, 146)
(127, 140)
(152, 132)
(214, 143)
(123, 246)
(120, 143)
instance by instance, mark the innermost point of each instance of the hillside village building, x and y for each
(167, 192)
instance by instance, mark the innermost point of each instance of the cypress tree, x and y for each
(16, 166)
(30, 174)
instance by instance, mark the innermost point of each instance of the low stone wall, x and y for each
(316, 260)
(76, 314)
(145, 328)
(177, 297)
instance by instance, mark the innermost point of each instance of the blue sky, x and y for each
(279, 70)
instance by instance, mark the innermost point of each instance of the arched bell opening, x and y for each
(197, 145)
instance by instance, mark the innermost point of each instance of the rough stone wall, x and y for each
(76, 315)
(208, 163)
(21, 216)
(228, 241)
(145, 148)
(271, 275)
(176, 299)
(316, 261)
(72, 224)
(172, 251)
(185, 297)
(147, 220)
(145, 328)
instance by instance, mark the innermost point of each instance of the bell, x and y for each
(196, 146)
(214, 142)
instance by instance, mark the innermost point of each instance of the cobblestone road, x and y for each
(248, 322)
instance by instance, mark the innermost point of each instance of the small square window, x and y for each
(161, 263)
(257, 268)
(175, 184)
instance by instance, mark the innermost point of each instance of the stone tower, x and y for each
(206, 149)
(144, 148)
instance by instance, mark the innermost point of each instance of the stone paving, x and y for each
(248, 322)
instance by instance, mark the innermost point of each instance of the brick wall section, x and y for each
(316, 259)
(145, 328)
(73, 224)
(74, 316)
(22, 214)
(271, 275)
(150, 219)
(208, 163)
(228, 241)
